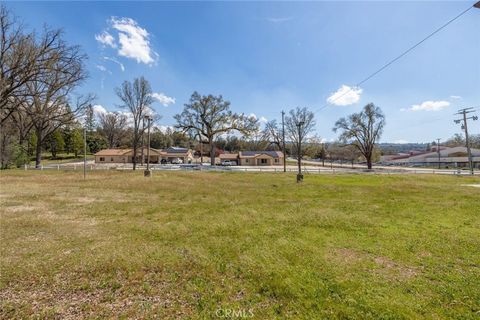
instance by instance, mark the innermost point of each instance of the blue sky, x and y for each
(269, 56)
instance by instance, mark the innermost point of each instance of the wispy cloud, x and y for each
(278, 19)
(103, 68)
(455, 97)
(122, 67)
(345, 96)
(106, 39)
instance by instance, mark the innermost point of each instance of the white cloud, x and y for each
(163, 99)
(456, 97)
(430, 106)
(99, 109)
(122, 67)
(164, 129)
(106, 39)
(345, 96)
(400, 141)
(261, 119)
(133, 40)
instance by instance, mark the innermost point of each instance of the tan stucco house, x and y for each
(167, 155)
(255, 158)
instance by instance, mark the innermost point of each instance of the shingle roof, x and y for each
(228, 156)
(124, 152)
(112, 152)
(273, 154)
(175, 150)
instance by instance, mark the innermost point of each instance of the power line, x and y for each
(398, 57)
(464, 119)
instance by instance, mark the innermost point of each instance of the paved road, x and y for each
(307, 167)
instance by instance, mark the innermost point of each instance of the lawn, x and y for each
(203, 245)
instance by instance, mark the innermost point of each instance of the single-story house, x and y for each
(232, 157)
(156, 156)
(173, 153)
(255, 158)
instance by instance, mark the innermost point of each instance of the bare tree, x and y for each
(273, 134)
(362, 129)
(137, 98)
(299, 123)
(23, 57)
(112, 127)
(210, 116)
(48, 100)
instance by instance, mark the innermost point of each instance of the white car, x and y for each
(226, 163)
(177, 161)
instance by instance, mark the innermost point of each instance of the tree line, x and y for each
(42, 111)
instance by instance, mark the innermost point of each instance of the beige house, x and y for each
(255, 158)
(169, 155)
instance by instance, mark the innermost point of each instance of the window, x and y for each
(111, 159)
(263, 161)
(102, 159)
(246, 160)
(276, 160)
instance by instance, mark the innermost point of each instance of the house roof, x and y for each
(113, 152)
(175, 150)
(129, 152)
(229, 156)
(254, 154)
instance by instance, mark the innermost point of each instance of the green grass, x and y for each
(184, 245)
(61, 158)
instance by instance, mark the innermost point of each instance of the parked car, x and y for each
(227, 163)
(177, 161)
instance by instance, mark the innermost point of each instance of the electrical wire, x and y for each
(396, 59)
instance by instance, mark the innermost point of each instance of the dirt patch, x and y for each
(85, 200)
(391, 269)
(20, 208)
(81, 303)
(383, 266)
(345, 255)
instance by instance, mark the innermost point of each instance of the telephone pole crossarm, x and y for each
(464, 119)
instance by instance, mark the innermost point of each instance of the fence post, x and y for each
(41, 167)
(58, 167)
(25, 167)
(74, 167)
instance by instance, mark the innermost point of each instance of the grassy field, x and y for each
(202, 245)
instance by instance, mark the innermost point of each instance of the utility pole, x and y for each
(201, 148)
(299, 151)
(283, 144)
(143, 143)
(147, 172)
(323, 154)
(85, 152)
(438, 151)
(464, 113)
